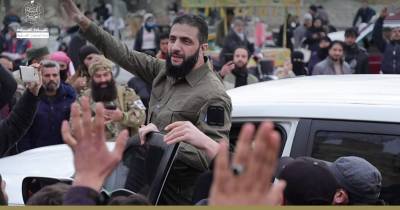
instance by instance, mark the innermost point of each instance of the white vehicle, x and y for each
(327, 117)
(320, 116)
(31, 170)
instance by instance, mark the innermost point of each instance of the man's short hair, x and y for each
(244, 48)
(164, 36)
(50, 64)
(351, 32)
(336, 42)
(197, 22)
(50, 195)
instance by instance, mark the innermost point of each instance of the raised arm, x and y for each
(135, 62)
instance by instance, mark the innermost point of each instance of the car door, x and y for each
(379, 143)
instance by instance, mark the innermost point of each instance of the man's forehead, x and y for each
(184, 30)
(49, 70)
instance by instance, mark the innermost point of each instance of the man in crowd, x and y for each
(66, 67)
(14, 47)
(163, 52)
(334, 63)
(319, 55)
(360, 182)
(179, 87)
(235, 73)
(365, 13)
(391, 50)
(354, 55)
(124, 109)
(300, 32)
(236, 37)
(54, 107)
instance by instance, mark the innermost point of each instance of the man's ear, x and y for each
(340, 197)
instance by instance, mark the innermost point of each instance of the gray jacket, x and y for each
(326, 67)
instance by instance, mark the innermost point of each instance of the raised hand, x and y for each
(254, 164)
(92, 159)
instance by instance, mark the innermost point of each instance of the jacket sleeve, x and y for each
(377, 35)
(18, 123)
(196, 158)
(8, 85)
(317, 70)
(140, 64)
(135, 114)
(356, 17)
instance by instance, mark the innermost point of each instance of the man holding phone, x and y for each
(55, 99)
(124, 109)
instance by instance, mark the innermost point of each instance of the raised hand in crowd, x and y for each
(249, 183)
(92, 159)
(227, 69)
(185, 131)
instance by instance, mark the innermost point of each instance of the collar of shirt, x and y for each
(195, 75)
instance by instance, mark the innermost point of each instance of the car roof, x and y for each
(345, 97)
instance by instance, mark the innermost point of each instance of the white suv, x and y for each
(330, 116)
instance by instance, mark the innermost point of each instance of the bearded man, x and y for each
(123, 108)
(56, 98)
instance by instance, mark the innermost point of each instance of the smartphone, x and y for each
(110, 106)
(27, 74)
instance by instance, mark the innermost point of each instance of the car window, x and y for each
(236, 127)
(383, 151)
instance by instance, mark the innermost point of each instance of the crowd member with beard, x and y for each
(66, 67)
(236, 37)
(184, 89)
(235, 73)
(334, 63)
(124, 109)
(320, 54)
(391, 50)
(354, 55)
(54, 107)
(88, 54)
(314, 35)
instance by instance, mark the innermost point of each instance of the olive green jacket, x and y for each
(200, 98)
(134, 112)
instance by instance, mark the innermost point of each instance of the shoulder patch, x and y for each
(215, 116)
(139, 104)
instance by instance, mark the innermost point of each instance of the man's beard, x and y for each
(180, 71)
(335, 59)
(100, 94)
(51, 87)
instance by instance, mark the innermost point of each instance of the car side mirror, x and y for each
(31, 185)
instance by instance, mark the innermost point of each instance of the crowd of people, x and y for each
(181, 91)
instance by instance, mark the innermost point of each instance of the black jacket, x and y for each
(19, 121)
(8, 86)
(233, 41)
(365, 14)
(391, 50)
(357, 58)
